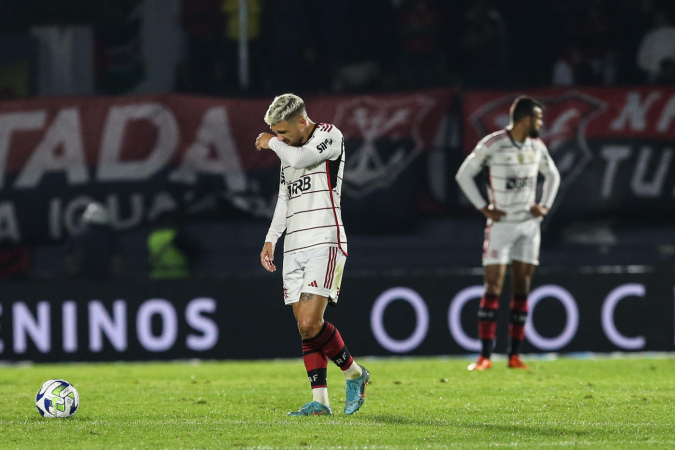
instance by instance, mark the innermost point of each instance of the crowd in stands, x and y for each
(319, 46)
(356, 45)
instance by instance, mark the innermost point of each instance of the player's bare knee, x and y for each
(309, 327)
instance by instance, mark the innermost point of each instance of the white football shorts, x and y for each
(506, 242)
(316, 271)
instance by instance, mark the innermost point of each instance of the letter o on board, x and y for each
(167, 338)
(455, 317)
(571, 324)
(421, 319)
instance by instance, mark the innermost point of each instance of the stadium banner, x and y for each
(407, 313)
(144, 155)
(613, 146)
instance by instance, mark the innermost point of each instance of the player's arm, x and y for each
(321, 148)
(277, 228)
(551, 184)
(465, 177)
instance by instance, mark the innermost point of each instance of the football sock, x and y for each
(321, 395)
(517, 325)
(353, 372)
(487, 322)
(334, 347)
(316, 364)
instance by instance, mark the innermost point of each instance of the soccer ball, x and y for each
(57, 398)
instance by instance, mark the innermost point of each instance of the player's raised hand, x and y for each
(539, 211)
(267, 256)
(262, 141)
(492, 213)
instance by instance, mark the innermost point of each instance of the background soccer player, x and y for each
(315, 248)
(513, 157)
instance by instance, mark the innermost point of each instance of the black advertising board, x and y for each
(402, 313)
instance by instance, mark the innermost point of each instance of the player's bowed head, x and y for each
(287, 118)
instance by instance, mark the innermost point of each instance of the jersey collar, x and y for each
(513, 141)
(311, 134)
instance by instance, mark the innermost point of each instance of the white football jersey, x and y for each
(310, 190)
(512, 175)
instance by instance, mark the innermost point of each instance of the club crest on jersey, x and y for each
(383, 138)
(565, 118)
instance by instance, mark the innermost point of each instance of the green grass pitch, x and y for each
(411, 403)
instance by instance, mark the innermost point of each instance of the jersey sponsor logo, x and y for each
(296, 188)
(513, 184)
(383, 138)
(324, 145)
(566, 116)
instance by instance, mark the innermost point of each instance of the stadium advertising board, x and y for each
(613, 147)
(144, 155)
(378, 314)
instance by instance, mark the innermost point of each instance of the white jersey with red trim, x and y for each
(512, 175)
(310, 185)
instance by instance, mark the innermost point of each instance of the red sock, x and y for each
(333, 346)
(487, 322)
(316, 363)
(517, 324)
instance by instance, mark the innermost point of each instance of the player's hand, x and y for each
(539, 211)
(267, 256)
(492, 213)
(263, 141)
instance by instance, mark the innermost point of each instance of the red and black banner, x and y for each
(144, 155)
(614, 147)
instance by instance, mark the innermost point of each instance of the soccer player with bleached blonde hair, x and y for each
(315, 247)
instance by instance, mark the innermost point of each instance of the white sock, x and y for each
(321, 395)
(353, 372)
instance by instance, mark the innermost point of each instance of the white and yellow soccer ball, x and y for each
(57, 398)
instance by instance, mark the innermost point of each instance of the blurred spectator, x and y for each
(421, 25)
(484, 45)
(634, 19)
(171, 252)
(657, 45)
(587, 53)
(667, 74)
(119, 65)
(568, 69)
(287, 28)
(203, 22)
(93, 252)
(368, 60)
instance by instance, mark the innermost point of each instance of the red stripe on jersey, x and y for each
(313, 228)
(309, 246)
(308, 210)
(332, 202)
(493, 138)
